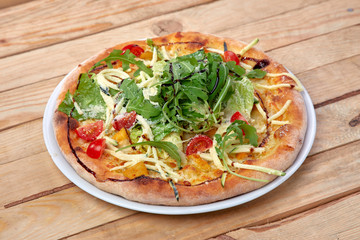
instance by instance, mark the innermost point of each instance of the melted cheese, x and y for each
(215, 51)
(281, 112)
(299, 86)
(271, 87)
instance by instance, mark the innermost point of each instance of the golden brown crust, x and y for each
(286, 140)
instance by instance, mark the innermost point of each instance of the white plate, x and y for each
(70, 173)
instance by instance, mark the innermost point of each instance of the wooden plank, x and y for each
(336, 79)
(57, 215)
(69, 54)
(31, 26)
(341, 216)
(324, 49)
(10, 3)
(294, 26)
(38, 170)
(333, 124)
(322, 175)
(13, 139)
(25, 103)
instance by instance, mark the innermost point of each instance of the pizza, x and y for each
(179, 120)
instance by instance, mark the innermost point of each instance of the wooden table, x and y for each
(319, 40)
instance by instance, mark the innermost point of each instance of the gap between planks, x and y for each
(264, 226)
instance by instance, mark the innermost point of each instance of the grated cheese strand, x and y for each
(271, 87)
(298, 87)
(261, 111)
(281, 112)
(279, 122)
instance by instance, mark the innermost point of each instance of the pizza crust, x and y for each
(288, 138)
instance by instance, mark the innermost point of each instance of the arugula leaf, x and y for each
(67, 104)
(168, 147)
(235, 68)
(126, 58)
(256, 73)
(137, 102)
(161, 130)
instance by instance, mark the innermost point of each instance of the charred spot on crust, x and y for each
(60, 117)
(73, 124)
(282, 131)
(178, 35)
(78, 149)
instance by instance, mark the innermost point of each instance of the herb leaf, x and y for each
(67, 104)
(256, 73)
(168, 147)
(126, 58)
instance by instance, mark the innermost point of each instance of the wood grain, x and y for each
(69, 54)
(29, 133)
(320, 223)
(57, 215)
(297, 25)
(335, 79)
(320, 179)
(45, 22)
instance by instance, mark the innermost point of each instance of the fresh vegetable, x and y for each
(126, 58)
(90, 131)
(96, 148)
(231, 56)
(238, 116)
(135, 171)
(134, 49)
(199, 143)
(124, 120)
(88, 99)
(168, 147)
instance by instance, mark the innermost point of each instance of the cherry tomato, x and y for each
(238, 116)
(134, 49)
(90, 131)
(199, 143)
(125, 120)
(231, 56)
(96, 148)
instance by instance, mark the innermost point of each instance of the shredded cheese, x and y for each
(164, 53)
(261, 111)
(279, 122)
(271, 87)
(281, 112)
(244, 149)
(298, 87)
(154, 57)
(78, 109)
(215, 51)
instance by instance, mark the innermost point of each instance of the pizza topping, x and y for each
(173, 97)
(238, 116)
(281, 111)
(199, 143)
(96, 148)
(231, 56)
(90, 131)
(134, 49)
(124, 120)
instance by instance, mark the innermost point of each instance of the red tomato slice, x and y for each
(96, 148)
(238, 116)
(231, 56)
(125, 120)
(134, 49)
(90, 131)
(199, 143)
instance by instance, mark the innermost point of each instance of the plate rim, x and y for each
(70, 173)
